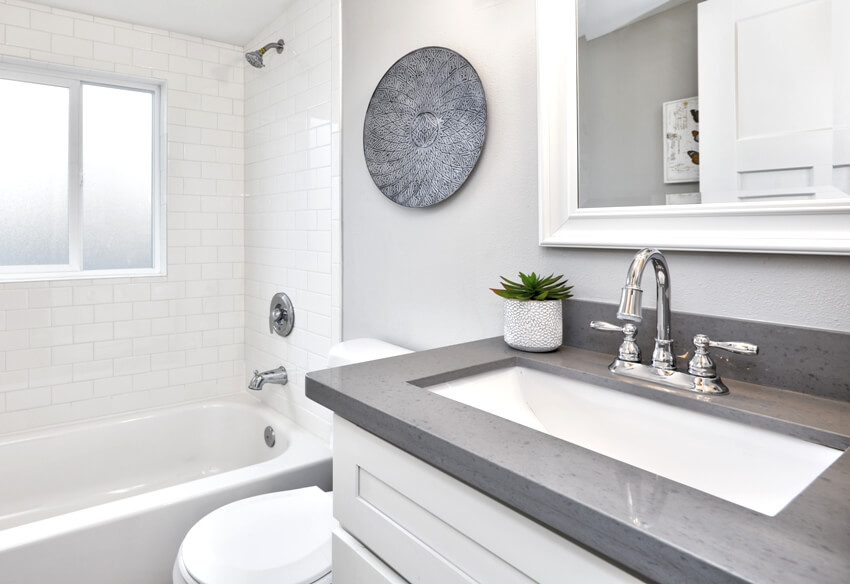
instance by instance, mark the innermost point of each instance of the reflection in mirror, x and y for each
(768, 120)
(712, 101)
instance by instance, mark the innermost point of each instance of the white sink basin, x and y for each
(755, 468)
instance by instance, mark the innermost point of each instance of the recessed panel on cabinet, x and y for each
(429, 527)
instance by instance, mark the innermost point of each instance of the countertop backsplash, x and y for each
(811, 361)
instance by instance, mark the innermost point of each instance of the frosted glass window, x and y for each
(117, 178)
(34, 137)
(81, 175)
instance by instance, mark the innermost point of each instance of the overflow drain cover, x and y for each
(268, 435)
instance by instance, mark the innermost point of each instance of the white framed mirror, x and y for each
(773, 146)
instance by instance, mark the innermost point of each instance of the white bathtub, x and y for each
(109, 501)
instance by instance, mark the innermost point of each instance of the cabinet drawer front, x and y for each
(430, 527)
(354, 564)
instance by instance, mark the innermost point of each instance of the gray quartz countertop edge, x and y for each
(653, 527)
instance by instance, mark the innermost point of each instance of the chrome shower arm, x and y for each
(277, 45)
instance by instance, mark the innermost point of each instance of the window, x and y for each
(80, 176)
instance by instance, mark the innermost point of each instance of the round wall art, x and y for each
(424, 128)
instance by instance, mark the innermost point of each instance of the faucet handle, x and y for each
(701, 363)
(629, 351)
(606, 327)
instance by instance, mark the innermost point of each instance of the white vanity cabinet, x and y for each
(402, 520)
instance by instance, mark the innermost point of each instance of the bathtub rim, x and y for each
(239, 397)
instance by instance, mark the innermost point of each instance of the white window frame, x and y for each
(74, 79)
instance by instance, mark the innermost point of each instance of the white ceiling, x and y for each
(230, 21)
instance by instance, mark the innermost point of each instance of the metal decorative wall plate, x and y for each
(425, 127)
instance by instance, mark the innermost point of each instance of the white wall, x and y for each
(420, 277)
(291, 204)
(77, 349)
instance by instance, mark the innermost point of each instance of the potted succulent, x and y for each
(533, 311)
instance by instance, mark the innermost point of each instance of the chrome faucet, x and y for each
(702, 375)
(278, 376)
(630, 303)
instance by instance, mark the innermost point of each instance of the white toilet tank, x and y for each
(363, 349)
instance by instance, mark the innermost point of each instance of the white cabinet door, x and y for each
(430, 528)
(774, 90)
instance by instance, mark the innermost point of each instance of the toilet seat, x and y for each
(277, 538)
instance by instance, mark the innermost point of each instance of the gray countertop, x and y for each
(654, 527)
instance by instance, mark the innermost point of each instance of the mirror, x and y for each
(731, 134)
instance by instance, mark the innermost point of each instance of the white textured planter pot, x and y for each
(533, 325)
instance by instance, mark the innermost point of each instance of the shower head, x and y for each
(255, 58)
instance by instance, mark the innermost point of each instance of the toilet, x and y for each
(276, 538)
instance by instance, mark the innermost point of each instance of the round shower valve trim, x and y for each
(281, 315)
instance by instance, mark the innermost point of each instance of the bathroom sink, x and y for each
(752, 467)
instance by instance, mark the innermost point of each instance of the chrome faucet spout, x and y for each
(630, 303)
(277, 375)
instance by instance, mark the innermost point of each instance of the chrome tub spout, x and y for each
(278, 376)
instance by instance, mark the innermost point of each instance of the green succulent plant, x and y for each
(533, 287)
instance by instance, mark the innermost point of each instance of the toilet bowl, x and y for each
(276, 538)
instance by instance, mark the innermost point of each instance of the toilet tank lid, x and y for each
(363, 349)
(277, 538)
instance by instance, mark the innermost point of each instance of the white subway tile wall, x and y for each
(289, 204)
(72, 350)
(76, 349)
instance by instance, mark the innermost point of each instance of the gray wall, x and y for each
(420, 277)
(625, 77)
